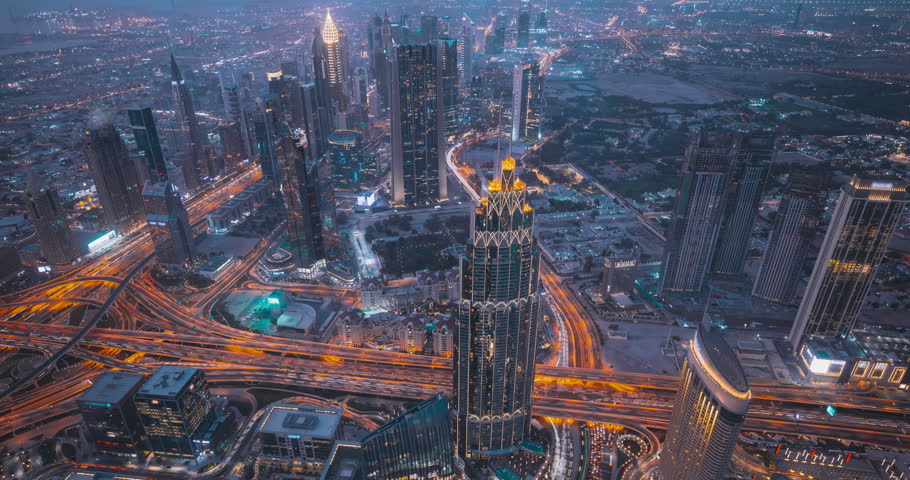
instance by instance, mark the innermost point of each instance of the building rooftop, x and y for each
(168, 380)
(92, 475)
(301, 420)
(112, 387)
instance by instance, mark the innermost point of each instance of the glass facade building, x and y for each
(52, 228)
(190, 138)
(708, 412)
(527, 101)
(301, 191)
(798, 215)
(347, 158)
(416, 444)
(116, 179)
(866, 215)
(148, 143)
(109, 417)
(496, 326)
(173, 404)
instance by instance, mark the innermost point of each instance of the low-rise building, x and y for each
(413, 333)
(296, 438)
(405, 293)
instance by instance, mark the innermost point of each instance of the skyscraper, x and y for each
(415, 444)
(527, 100)
(745, 189)
(800, 210)
(523, 38)
(191, 142)
(316, 122)
(697, 212)
(52, 228)
(466, 54)
(347, 157)
(540, 28)
(497, 44)
(496, 328)
(232, 96)
(232, 145)
(866, 215)
(301, 191)
(449, 61)
(264, 119)
(418, 121)
(173, 404)
(170, 225)
(147, 142)
(331, 50)
(109, 416)
(708, 412)
(116, 179)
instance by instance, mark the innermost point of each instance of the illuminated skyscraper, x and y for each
(540, 28)
(800, 210)
(116, 180)
(496, 328)
(233, 98)
(418, 122)
(316, 122)
(52, 228)
(300, 189)
(415, 444)
(697, 212)
(708, 412)
(867, 213)
(191, 141)
(331, 41)
(527, 101)
(173, 404)
(746, 187)
(523, 39)
(449, 52)
(232, 145)
(148, 143)
(265, 118)
(170, 225)
(347, 158)
(109, 416)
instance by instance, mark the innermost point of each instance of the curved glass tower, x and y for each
(708, 412)
(496, 331)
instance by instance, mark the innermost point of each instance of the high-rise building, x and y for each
(190, 139)
(497, 44)
(619, 273)
(798, 215)
(429, 28)
(316, 122)
(496, 328)
(264, 122)
(116, 179)
(52, 228)
(466, 55)
(170, 225)
(232, 145)
(301, 191)
(347, 158)
(297, 439)
(527, 101)
(418, 122)
(697, 211)
(448, 49)
(523, 38)
(331, 43)
(109, 417)
(745, 189)
(708, 412)
(233, 98)
(173, 405)
(148, 143)
(415, 444)
(866, 215)
(540, 28)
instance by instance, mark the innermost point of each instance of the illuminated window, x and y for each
(861, 369)
(879, 370)
(897, 374)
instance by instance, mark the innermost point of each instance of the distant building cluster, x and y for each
(407, 293)
(414, 333)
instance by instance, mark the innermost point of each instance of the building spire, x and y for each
(329, 32)
(175, 71)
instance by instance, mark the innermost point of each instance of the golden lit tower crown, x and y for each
(330, 33)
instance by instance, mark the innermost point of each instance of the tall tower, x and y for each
(746, 188)
(415, 444)
(170, 225)
(418, 121)
(801, 207)
(347, 158)
(52, 228)
(188, 132)
(232, 96)
(316, 123)
(301, 192)
(867, 212)
(449, 52)
(540, 28)
(148, 143)
(708, 412)
(527, 100)
(496, 328)
(697, 212)
(523, 40)
(115, 177)
(333, 43)
(264, 119)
